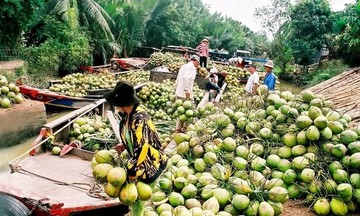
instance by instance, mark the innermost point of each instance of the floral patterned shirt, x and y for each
(142, 142)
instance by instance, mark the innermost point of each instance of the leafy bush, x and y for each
(64, 50)
(327, 70)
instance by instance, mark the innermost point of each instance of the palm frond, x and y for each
(96, 14)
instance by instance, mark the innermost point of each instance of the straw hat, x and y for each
(269, 64)
(205, 40)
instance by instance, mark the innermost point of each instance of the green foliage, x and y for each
(274, 16)
(87, 17)
(310, 24)
(348, 40)
(64, 50)
(325, 71)
(14, 18)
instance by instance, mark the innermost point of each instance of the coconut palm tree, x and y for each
(90, 15)
(131, 20)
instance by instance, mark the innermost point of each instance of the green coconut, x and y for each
(128, 194)
(289, 176)
(355, 160)
(322, 206)
(320, 122)
(300, 163)
(304, 121)
(211, 204)
(340, 176)
(223, 196)
(307, 95)
(339, 151)
(284, 152)
(294, 191)
(330, 185)
(354, 147)
(242, 151)
(272, 160)
(326, 133)
(298, 150)
(336, 127)
(176, 199)
(240, 202)
(289, 139)
(338, 207)
(348, 136)
(333, 115)
(307, 175)
(253, 208)
(239, 163)
(344, 190)
(265, 209)
(316, 102)
(278, 194)
(301, 138)
(314, 112)
(312, 133)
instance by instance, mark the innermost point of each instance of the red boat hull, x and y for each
(54, 99)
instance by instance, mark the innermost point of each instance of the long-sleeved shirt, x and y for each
(142, 142)
(185, 80)
(203, 49)
(270, 81)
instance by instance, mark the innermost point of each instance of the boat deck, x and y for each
(66, 184)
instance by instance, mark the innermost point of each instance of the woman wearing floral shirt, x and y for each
(139, 137)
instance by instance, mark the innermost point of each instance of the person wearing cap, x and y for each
(203, 49)
(139, 137)
(185, 78)
(253, 81)
(270, 78)
(185, 83)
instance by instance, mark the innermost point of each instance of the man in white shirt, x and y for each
(186, 77)
(253, 81)
(184, 85)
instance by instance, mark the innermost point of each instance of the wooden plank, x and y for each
(74, 114)
(218, 97)
(114, 124)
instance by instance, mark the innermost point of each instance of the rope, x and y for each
(94, 190)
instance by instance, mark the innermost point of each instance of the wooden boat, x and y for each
(52, 185)
(126, 64)
(54, 99)
(44, 184)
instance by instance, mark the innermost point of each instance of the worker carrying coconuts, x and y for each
(253, 81)
(139, 137)
(185, 84)
(270, 78)
(185, 79)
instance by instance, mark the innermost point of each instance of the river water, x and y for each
(8, 154)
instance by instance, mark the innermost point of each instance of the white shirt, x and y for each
(185, 80)
(253, 79)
